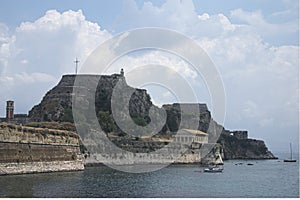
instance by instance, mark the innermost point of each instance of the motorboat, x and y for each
(213, 169)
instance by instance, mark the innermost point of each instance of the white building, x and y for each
(188, 136)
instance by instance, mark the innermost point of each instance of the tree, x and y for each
(106, 121)
(139, 121)
(68, 116)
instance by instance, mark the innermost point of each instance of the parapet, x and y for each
(240, 134)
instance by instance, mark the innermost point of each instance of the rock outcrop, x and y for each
(56, 105)
(235, 148)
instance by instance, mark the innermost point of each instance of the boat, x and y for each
(219, 160)
(291, 158)
(238, 163)
(213, 169)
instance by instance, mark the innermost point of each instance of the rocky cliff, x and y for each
(56, 105)
(235, 148)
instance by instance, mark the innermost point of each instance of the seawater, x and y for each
(265, 178)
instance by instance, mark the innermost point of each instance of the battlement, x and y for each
(240, 134)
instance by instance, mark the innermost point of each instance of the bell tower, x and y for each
(9, 110)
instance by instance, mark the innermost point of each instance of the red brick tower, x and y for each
(9, 110)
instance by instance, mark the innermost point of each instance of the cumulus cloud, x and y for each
(270, 32)
(37, 53)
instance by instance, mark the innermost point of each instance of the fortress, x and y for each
(25, 149)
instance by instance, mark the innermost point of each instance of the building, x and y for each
(189, 136)
(9, 110)
(11, 117)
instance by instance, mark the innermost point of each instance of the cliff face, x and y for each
(57, 104)
(174, 116)
(235, 148)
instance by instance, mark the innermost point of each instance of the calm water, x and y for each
(267, 178)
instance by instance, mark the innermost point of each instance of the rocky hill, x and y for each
(234, 148)
(56, 105)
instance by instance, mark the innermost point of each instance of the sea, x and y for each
(265, 178)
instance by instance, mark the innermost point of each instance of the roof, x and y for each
(196, 132)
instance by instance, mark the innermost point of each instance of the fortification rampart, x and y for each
(23, 134)
(28, 150)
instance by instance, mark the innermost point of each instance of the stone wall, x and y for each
(22, 152)
(194, 154)
(125, 151)
(38, 167)
(24, 134)
(28, 150)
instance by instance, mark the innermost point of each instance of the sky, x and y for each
(253, 44)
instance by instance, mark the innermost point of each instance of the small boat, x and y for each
(250, 164)
(213, 169)
(219, 160)
(238, 163)
(291, 158)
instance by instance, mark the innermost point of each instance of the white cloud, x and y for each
(255, 22)
(266, 122)
(24, 62)
(37, 53)
(250, 110)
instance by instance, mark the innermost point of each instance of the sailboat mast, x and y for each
(291, 151)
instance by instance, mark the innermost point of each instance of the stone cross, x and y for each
(76, 63)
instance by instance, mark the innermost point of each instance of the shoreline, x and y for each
(91, 165)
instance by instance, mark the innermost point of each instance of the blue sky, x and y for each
(254, 44)
(108, 13)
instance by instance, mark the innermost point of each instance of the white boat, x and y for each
(219, 160)
(213, 169)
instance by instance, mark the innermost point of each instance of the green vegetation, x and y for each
(139, 121)
(68, 116)
(106, 121)
(46, 118)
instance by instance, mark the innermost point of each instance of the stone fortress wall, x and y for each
(28, 150)
(241, 135)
